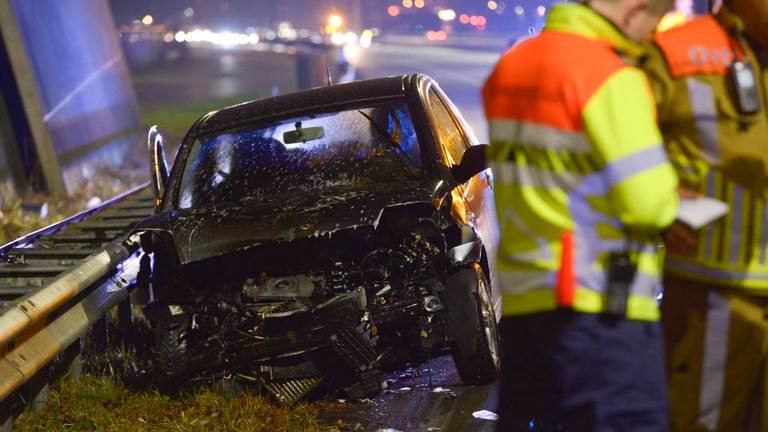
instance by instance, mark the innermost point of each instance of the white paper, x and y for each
(701, 211)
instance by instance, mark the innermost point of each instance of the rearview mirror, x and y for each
(472, 163)
(301, 134)
(158, 166)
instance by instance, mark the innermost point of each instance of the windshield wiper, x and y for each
(406, 162)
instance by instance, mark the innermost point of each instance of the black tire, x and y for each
(170, 356)
(472, 324)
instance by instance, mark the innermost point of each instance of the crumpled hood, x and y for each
(202, 233)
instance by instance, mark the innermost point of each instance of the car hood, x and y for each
(202, 233)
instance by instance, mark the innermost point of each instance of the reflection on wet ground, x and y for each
(430, 398)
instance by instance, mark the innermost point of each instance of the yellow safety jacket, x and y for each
(715, 149)
(579, 167)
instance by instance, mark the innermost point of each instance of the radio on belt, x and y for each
(746, 87)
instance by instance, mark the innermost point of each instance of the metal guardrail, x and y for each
(58, 226)
(59, 280)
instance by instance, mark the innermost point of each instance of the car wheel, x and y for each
(170, 356)
(472, 323)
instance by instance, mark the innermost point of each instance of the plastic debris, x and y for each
(440, 390)
(485, 415)
(388, 430)
(93, 202)
(398, 390)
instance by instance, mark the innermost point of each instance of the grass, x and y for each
(96, 403)
(174, 120)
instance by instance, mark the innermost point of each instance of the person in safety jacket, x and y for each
(583, 190)
(710, 77)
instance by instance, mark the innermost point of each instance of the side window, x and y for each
(450, 135)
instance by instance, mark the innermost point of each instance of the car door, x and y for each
(474, 199)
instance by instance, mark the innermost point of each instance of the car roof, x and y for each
(305, 100)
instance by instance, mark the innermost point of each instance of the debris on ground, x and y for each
(485, 415)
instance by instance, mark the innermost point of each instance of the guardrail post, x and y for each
(8, 425)
(100, 335)
(37, 388)
(74, 361)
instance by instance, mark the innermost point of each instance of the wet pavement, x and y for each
(429, 398)
(460, 72)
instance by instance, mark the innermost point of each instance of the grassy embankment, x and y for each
(97, 404)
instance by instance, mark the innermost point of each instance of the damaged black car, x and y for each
(310, 242)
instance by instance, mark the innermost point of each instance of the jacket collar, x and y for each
(582, 20)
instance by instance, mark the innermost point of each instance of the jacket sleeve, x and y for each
(620, 120)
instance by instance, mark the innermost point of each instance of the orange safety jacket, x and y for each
(579, 167)
(716, 150)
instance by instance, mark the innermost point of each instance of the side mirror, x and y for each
(157, 164)
(472, 163)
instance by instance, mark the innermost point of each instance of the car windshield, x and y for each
(353, 148)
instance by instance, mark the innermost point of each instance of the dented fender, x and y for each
(465, 253)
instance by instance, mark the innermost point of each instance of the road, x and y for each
(459, 71)
(434, 398)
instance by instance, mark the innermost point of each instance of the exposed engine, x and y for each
(314, 314)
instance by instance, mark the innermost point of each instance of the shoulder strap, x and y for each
(700, 46)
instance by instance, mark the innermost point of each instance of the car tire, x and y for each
(472, 325)
(170, 356)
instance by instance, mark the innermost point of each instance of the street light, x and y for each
(334, 24)
(147, 20)
(447, 14)
(335, 21)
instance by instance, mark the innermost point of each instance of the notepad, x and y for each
(702, 211)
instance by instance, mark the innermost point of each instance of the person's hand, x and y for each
(680, 238)
(687, 193)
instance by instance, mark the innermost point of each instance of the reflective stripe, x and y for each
(704, 271)
(763, 233)
(736, 213)
(710, 229)
(518, 282)
(715, 356)
(702, 102)
(542, 253)
(634, 163)
(510, 173)
(538, 135)
(588, 301)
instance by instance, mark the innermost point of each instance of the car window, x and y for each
(353, 148)
(449, 133)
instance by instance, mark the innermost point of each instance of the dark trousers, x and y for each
(573, 372)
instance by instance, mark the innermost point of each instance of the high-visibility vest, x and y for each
(715, 149)
(579, 167)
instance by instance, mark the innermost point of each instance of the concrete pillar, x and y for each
(47, 161)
